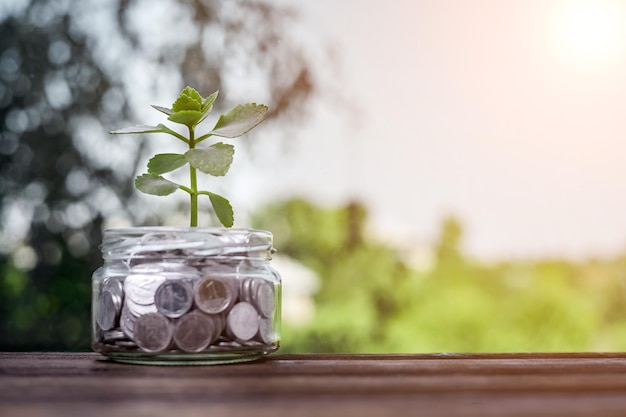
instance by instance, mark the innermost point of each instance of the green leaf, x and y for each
(166, 129)
(166, 162)
(223, 209)
(189, 99)
(208, 102)
(192, 93)
(239, 120)
(214, 160)
(207, 106)
(186, 117)
(162, 109)
(155, 185)
(137, 129)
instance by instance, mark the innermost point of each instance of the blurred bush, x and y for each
(372, 300)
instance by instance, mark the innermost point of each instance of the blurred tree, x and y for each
(70, 71)
(370, 300)
(364, 283)
(448, 247)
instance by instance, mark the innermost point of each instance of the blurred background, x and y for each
(439, 176)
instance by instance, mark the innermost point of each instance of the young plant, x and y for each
(190, 109)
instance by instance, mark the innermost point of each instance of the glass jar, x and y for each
(186, 295)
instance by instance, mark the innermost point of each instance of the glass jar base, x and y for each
(182, 358)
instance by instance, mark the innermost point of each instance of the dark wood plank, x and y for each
(365, 385)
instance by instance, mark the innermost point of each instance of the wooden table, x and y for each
(85, 384)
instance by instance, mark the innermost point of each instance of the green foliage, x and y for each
(189, 109)
(58, 318)
(371, 299)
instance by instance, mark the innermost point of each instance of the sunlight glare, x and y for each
(590, 35)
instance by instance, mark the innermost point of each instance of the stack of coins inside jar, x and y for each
(161, 307)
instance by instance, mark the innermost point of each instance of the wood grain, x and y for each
(60, 384)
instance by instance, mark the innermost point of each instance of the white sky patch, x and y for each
(148, 20)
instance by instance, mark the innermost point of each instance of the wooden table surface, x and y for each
(85, 384)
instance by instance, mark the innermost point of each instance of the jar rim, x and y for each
(180, 241)
(212, 230)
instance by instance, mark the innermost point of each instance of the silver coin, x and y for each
(114, 335)
(113, 285)
(212, 295)
(153, 332)
(107, 310)
(140, 288)
(138, 310)
(194, 332)
(220, 322)
(127, 322)
(229, 344)
(242, 322)
(264, 299)
(234, 285)
(266, 331)
(244, 289)
(126, 343)
(252, 343)
(173, 298)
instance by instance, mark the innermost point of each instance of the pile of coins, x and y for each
(170, 307)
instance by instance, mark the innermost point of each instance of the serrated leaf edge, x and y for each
(196, 150)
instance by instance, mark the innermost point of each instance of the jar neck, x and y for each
(186, 242)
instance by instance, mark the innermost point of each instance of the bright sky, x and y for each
(508, 114)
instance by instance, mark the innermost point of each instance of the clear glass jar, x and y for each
(183, 295)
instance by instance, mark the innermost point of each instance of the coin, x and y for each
(113, 335)
(242, 322)
(153, 332)
(107, 311)
(194, 332)
(245, 290)
(114, 286)
(127, 322)
(266, 331)
(126, 343)
(234, 285)
(264, 298)
(140, 288)
(139, 309)
(230, 344)
(173, 298)
(212, 295)
(220, 323)
(252, 343)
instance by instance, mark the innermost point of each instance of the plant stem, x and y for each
(194, 184)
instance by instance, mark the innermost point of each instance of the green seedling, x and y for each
(190, 109)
